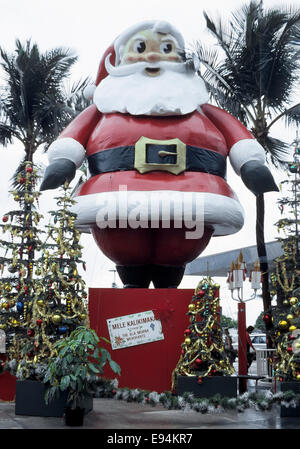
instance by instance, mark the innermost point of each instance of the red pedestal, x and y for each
(146, 366)
(7, 385)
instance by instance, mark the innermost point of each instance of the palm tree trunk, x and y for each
(261, 250)
(28, 215)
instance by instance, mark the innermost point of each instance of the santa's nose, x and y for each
(153, 56)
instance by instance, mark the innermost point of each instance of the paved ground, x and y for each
(115, 414)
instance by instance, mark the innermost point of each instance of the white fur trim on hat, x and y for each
(66, 148)
(154, 25)
(246, 150)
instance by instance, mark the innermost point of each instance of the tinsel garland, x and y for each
(188, 402)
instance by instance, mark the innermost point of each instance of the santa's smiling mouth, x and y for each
(152, 71)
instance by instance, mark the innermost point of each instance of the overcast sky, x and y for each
(88, 28)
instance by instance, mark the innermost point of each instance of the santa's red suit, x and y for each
(116, 143)
(212, 130)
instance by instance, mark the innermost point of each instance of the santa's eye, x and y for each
(139, 46)
(166, 47)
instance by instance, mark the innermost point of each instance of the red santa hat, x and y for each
(101, 74)
(117, 48)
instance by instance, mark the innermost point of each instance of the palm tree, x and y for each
(34, 105)
(253, 73)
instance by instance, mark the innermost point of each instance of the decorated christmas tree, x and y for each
(59, 305)
(286, 280)
(288, 340)
(202, 352)
(19, 244)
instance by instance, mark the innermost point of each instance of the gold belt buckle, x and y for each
(141, 164)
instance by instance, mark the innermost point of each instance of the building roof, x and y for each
(219, 264)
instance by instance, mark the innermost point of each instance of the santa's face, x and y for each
(150, 47)
(151, 79)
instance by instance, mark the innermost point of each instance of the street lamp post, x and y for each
(114, 284)
(237, 276)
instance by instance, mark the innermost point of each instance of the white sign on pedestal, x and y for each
(135, 329)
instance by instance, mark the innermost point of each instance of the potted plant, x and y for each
(75, 370)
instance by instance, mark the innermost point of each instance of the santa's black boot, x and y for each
(134, 276)
(167, 276)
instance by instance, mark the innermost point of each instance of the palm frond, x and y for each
(14, 181)
(253, 73)
(73, 95)
(6, 134)
(292, 116)
(277, 151)
(34, 106)
(261, 58)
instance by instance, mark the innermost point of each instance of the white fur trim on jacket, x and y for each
(66, 148)
(244, 151)
(224, 214)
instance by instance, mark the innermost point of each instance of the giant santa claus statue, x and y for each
(156, 153)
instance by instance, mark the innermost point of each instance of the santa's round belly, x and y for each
(128, 199)
(157, 217)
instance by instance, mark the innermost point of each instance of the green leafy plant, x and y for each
(76, 368)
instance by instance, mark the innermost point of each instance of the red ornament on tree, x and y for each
(5, 218)
(266, 317)
(201, 293)
(29, 169)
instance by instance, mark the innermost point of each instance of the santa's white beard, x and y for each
(175, 91)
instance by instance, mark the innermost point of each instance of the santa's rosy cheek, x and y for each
(173, 58)
(131, 59)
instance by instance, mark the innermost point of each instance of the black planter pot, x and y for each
(291, 412)
(225, 386)
(30, 400)
(74, 416)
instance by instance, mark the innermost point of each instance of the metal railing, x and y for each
(264, 362)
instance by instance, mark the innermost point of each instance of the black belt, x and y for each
(123, 158)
